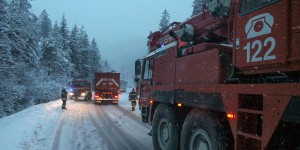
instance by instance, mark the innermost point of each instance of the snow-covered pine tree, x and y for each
(95, 60)
(95, 57)
(165, 20)
(6, 72)
(75, 51)
(22, 33)
(64, 32)
(106, 67)
(197, 6)
(85, 54)
(4, 40)
(44, 24)
(18, 54)
(53, 58)
(6, 60)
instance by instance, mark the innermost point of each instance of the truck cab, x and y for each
(229, 79)
(79, 89)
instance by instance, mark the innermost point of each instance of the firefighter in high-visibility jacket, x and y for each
(132, 98)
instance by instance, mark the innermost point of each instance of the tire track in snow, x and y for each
(85, 109)
(105, 135)
(110, 126)
(132, 116)
(58, 131)
(64, 119)
(132, 127)
(125, 137)
(78, 128)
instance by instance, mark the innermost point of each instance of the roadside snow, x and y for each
(20, 129)
(37, 126)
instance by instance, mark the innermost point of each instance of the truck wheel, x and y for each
(200, 131)
(164, 128)
(90, 96)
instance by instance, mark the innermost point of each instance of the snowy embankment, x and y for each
(19, 130)
(47, 126)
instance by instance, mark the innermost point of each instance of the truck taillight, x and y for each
(97, 96)
(116, 96)
(231, 116)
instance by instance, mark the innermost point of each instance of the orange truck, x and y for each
(107, 86)
(227, 78)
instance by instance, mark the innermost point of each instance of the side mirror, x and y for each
(136, 79)
(138, 67)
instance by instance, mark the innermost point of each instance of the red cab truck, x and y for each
(227, 78)
(107, 86)
(80, 89)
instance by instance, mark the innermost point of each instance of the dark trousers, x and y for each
(64, 104)
(133, 104)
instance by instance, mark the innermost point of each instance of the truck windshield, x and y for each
(79, 84)
(248, 6)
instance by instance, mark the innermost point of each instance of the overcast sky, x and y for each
(120, 27)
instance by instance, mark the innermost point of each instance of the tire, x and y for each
(90, 96)
(200, 131)
(165, 134)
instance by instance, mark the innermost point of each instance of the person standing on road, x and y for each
(132, 98)
(64, 95)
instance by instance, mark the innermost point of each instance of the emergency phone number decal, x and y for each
(256, 27)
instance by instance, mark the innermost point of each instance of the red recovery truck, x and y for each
(107, 86)
(227, 78)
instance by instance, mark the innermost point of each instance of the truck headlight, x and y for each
(82, 94)
(71, 94)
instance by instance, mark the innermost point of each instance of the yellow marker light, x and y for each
(179, 105)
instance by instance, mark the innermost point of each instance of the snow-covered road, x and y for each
(83, 126)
